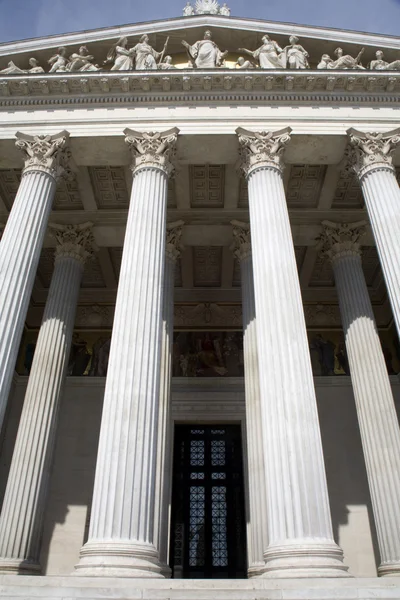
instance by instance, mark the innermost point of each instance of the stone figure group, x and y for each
(203, 54)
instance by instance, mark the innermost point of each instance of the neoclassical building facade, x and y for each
(200, 310)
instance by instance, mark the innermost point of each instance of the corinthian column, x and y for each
(164, 452)
(257, 527)
(370, 155)
(299, 523)
(380, 433)
(121, 534)
(46, 159)
(25, 498)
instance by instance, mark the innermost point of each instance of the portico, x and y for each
(235, 234)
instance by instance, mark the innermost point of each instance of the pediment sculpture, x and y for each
(206, 7)
(203, 54)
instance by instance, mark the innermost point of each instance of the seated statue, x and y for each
(269, 55)
(243, 64)
(166, 64)
(82, 61)
(381, 65)
(120, 56)
(342, 62)
(59, 61)
(205, 53)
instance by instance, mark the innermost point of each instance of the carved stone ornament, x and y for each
(322, 315)
(152, 149)
(173, 244)
(241, 240)
(208, 315)
(338, 240)
(262, 149)
(207, 7)
(368, 151)
(48, 153)
(95, 316)
(74, 241)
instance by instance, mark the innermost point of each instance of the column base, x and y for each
(256, 570)
(118, 559)
(389, 569)
(165, 570)
(305, 558)
(19, 566)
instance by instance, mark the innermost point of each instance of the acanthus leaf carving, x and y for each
(152, 149)
(262, 149)
(371, 150)
(338, 240)
(241, 246)
(173, 244)
(48, 153)
(74, 241)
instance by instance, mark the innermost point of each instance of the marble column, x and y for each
(165, 431)
(24, 503)
(380, 433)
(370, 156)
(257, 526)
(46, 160)
(121, 533)
(300, 537)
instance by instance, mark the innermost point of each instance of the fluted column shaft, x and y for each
(25, 497)
(380, 433)
(22, 242)
(370, 156)
(165, 431)
(299, 523)
(257, 525)
(121, 534)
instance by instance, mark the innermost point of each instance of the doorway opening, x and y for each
(208, 535)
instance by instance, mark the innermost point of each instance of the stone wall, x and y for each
(198, 400)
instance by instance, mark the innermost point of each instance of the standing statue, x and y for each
(12, 68)
(146, 56)
(295, 56)
(188, 10)
(81, 61)
(59, 61)
(381, 65)
(269, 55)
(205, 53)
(120, 56)
(224, 10)
(342, 62)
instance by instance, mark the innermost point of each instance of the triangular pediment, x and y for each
(230, 33)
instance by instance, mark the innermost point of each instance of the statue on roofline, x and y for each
(120, 56)
(381, 65)
(343, 61)
(145, 56)
(269, 55)
(295, 56)
(81, 61)
(59, 62)
(12, 68)
(188, 10)
(205, 53)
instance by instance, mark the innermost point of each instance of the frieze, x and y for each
(137, 87)
(208, 315)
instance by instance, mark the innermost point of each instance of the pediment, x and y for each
(230, 33)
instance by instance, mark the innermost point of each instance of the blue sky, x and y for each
(34, 18)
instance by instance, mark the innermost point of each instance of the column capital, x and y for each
(74, 241)
(369, 151)
(152, 149)
(173, 244)
(241, 246)
(47, 153)
(339, 240)
(261, 149)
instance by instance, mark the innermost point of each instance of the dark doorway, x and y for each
(208, 538)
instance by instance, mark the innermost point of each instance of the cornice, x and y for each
(186, 23)
(185, 85)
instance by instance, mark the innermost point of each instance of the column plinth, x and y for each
(46, 159)
(21, 518)
(165, 432)
(121, 534)
(370, 156)
(300, 538)
(257, 526)
(380, 433)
